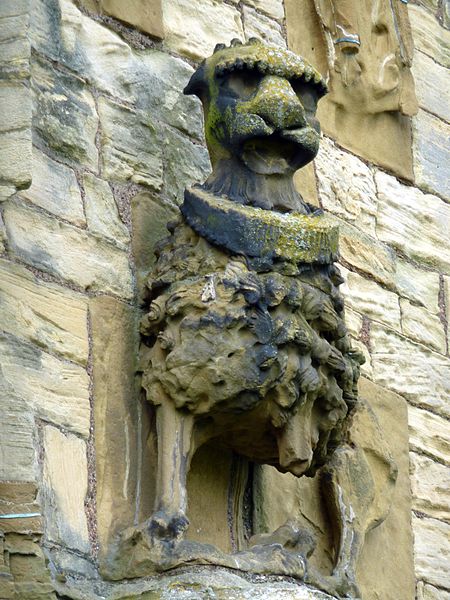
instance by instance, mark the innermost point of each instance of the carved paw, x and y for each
(165, 526)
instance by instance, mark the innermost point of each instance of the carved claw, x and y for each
(166, 527)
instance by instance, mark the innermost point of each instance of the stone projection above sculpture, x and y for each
(367, 48)
(244, 341)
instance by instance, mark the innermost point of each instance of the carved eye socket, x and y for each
(306, 94)
(243, 83)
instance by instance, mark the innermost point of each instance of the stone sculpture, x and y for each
(244, 339)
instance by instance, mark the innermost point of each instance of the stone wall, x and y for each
(114, 143)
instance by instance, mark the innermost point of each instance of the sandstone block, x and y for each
(67, 252)
(432, 550)
(413, 222)
(429, 36)
(102, 214)
(15, 158)
(431, 78)
(53, 390)
(431, 153)
(272, 8)
(64, 114)
(430, 483)
(186, 163)
(144, 14)
(410, 369)
(194, 27)
(54, 187)
(16, 106)
(346, 186)
(447, 302)
(429, 434)
(370, 299)
(52, 317)
(130, 146)
(64, 489)
(422, 287)
(262, 27)
(429, 592)
(367, 254)
(422, 326)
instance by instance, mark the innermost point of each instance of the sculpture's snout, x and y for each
(276, 102)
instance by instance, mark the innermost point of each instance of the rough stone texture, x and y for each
(64, 489)
(346, 186)
(447, 303)
(186, 163)
(431, 153)
(429, 434)
(432, 550)
(419, 286)
(55, 188)
(53, 390)
(421, 376)
(56, 95)
(431, 78)
(272, 8)
(102, 213)
(67, 252)
(15, 165)
(403, 211)
(429, 592)
(366, 254)
(262, 27)
(130, 145)
(370, 299)
(422, 326)
(194, 27)
(429, 37)
(15, 101)
(46, 314)
(430, 487)
(144, 14)
(118, 419)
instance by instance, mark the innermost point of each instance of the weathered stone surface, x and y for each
(430, 483)
(194, 27)
(54, 390)
(200, 584)
(144, 14)
(422, 326)
(370, 299)
(306, 184)
(52, 317)
(366, 254)
(403, 212)
(130, 145)
(421, 376)
(15, 159)
(3, 236)
(272, 8)
(16, 106)
(262, 27)
(65, 251)
(429, 36)
(420, 286)
(64, 114)
(186, 163)
(447, 303)
(429, 434)
(429, 592)
(431, 153)
(64, 489)
(54, 187)
(432, 550)
(17, 454)
(346, 186)
(102, 214)
(431, 78)
(118, 420)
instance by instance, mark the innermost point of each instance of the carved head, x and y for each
(259, 103)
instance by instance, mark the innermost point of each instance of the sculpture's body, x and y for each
(244, 339)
